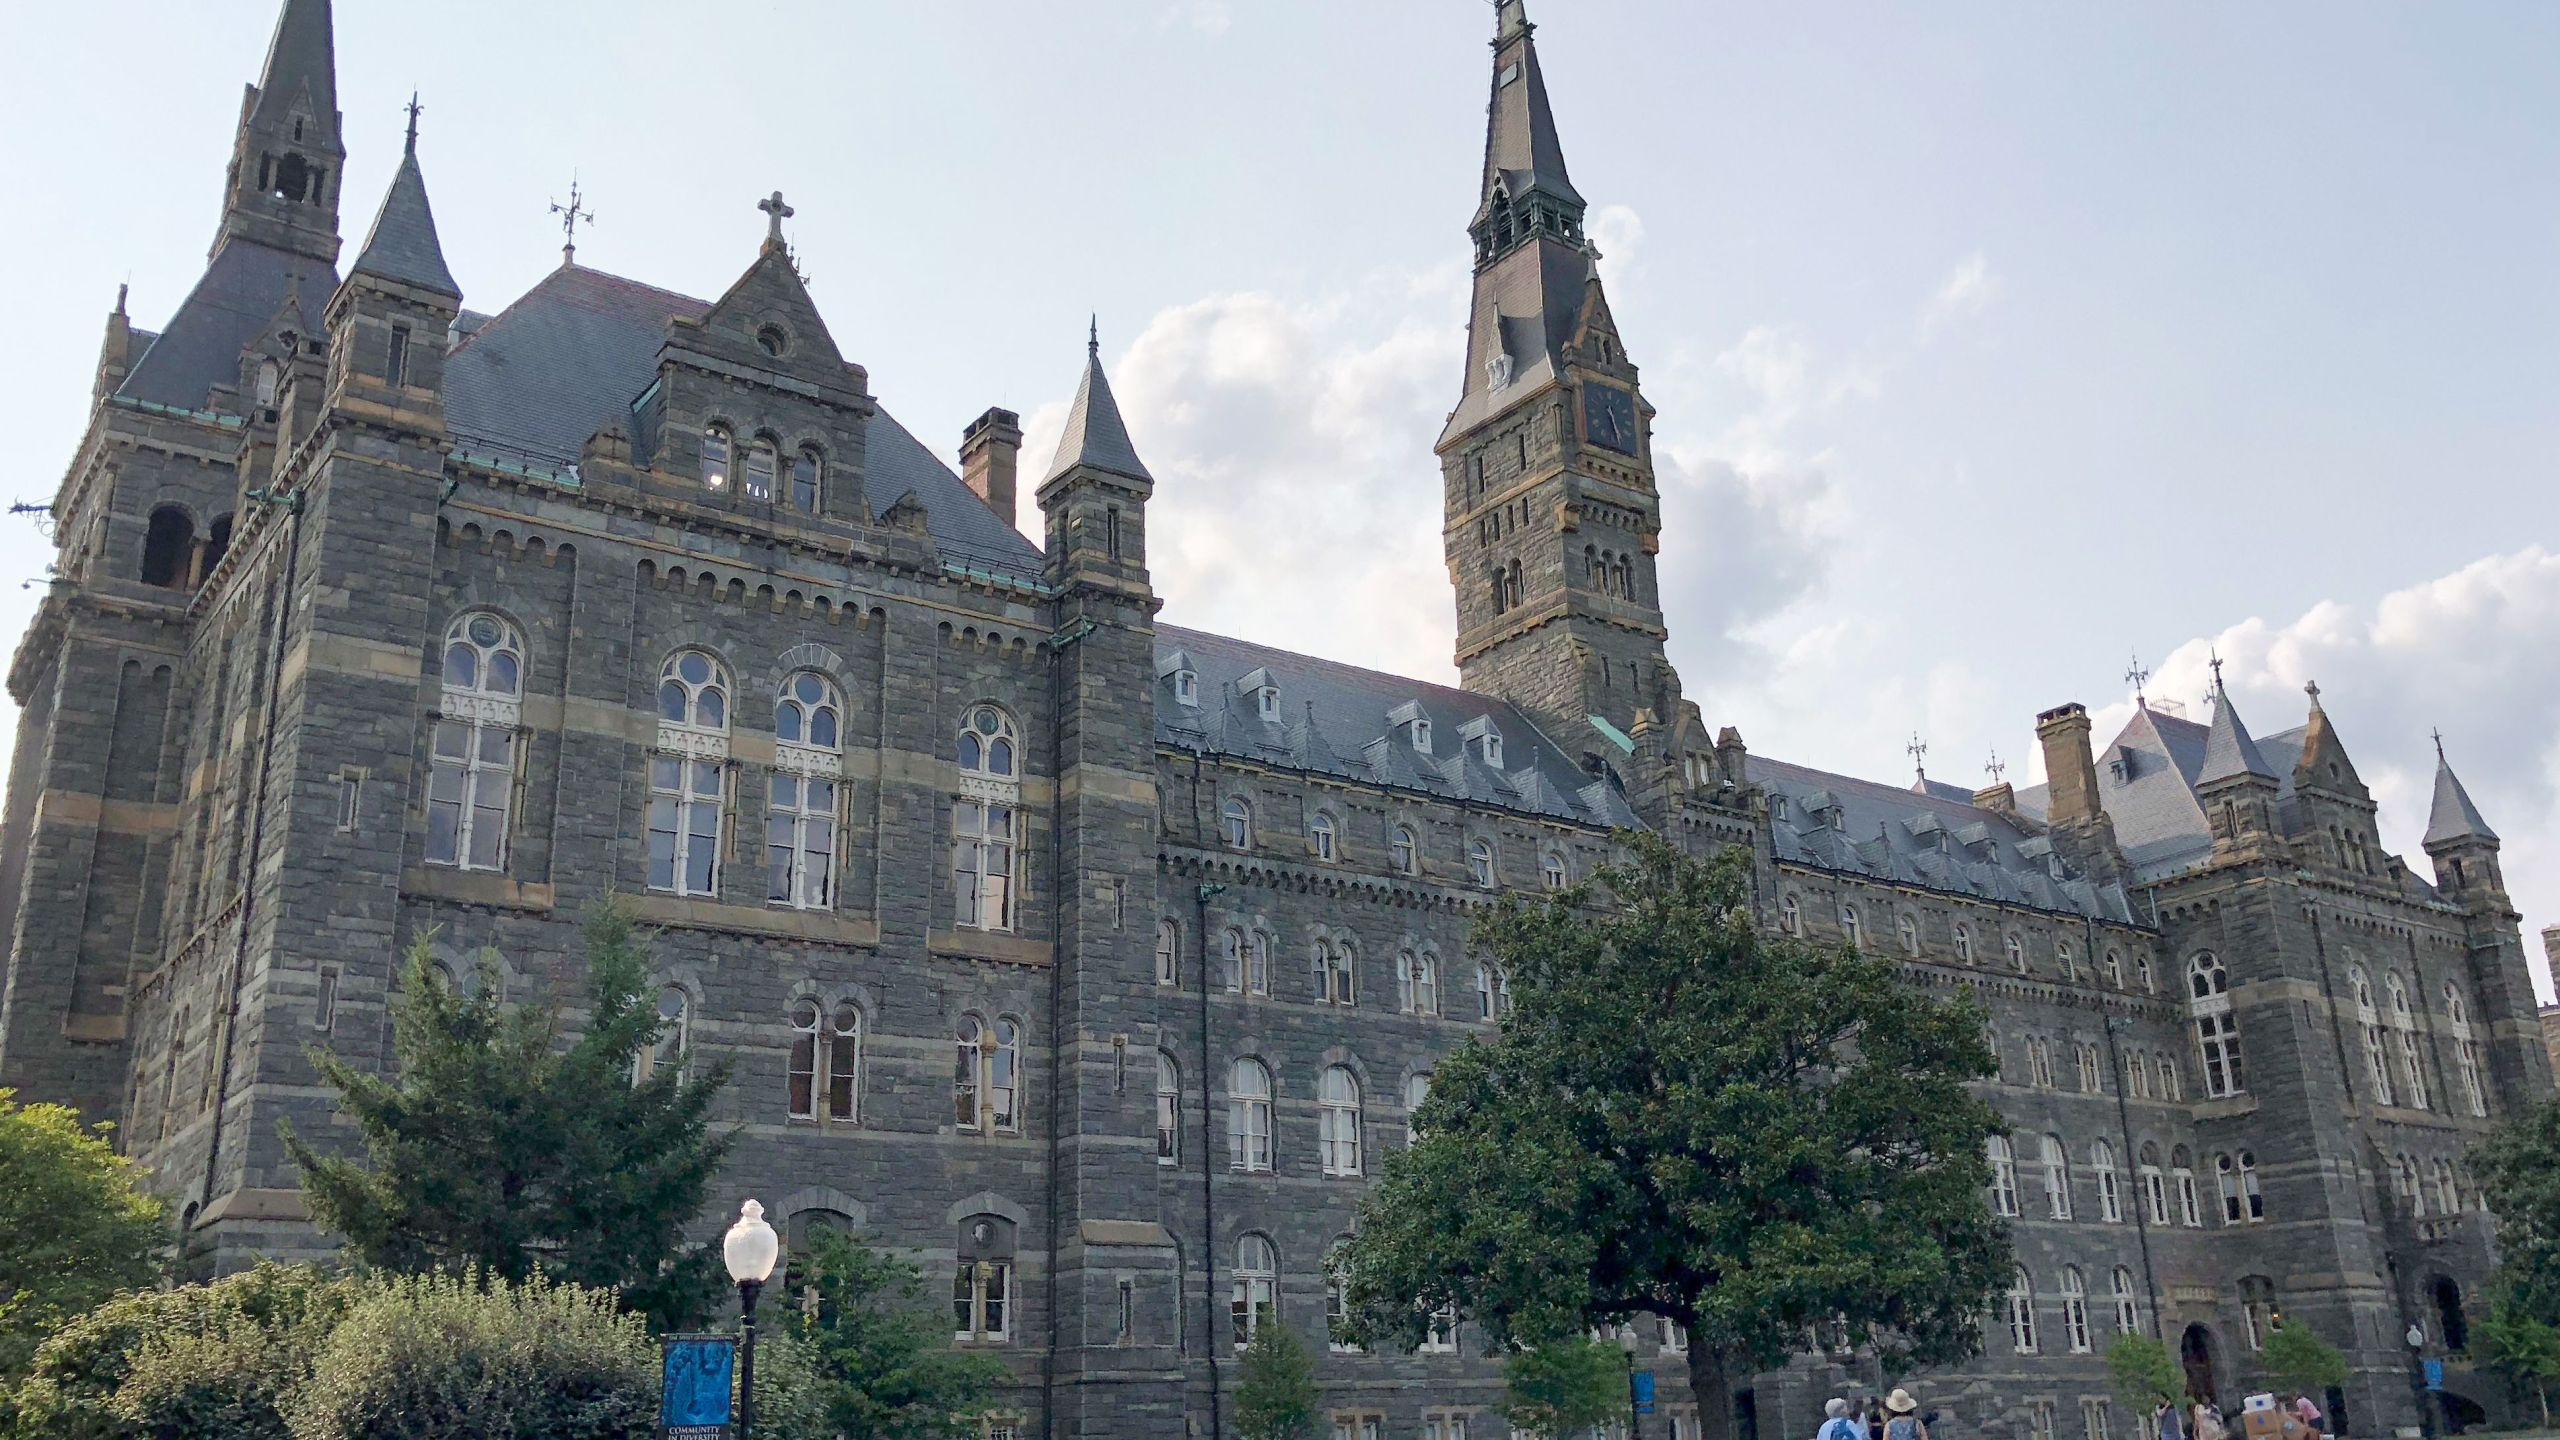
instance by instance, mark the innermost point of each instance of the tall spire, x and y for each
(288, 156)
(1095, 437)
(1522, 156)
(302, 65)
(402, 246)
(2228, 750)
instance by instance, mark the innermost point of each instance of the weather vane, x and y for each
(2136, 676)
(570, 214)
(1918, 750)
(1995, 769)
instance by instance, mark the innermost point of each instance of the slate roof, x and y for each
(1521, 151)
(569, 357)
(1349, 723)
(2228, 750)
(1925, 837)
(402, 245)
(301, 57)
(2453, 816)
(230, 306)
(1095, 435)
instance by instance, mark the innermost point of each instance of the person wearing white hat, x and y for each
(1902, 1417)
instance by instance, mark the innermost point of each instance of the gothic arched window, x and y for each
(1168, 953)
(1256, 1296)
(1249, 1109)
(1168, 1110)
(688, 775)
(984, 821)
(2217, 1033)
(800, 809)
(986, 1074)
(1338, 1120)
(764, 462)
(471, 770)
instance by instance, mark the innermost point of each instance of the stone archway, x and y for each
(2195, 1356)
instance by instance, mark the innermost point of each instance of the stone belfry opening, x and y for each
(288, 156)
(1552, 517)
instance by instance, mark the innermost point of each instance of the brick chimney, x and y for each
(2077, 823)
(989, 449)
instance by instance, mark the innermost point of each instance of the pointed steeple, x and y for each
(1095, 437)
(2228, 750)
(288, 157)
(302, 67)
(2324, 764)
(1522, 156)
(402, 246)
(2453, 818)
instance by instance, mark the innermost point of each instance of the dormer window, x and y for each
(1186, 687)
(1422, 735)
(1267, 701)
(1777, 807)
(1493, 748)
(716, 446)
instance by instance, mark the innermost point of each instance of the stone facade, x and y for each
(379, 617)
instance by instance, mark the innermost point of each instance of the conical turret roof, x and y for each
(1096, 438)
(402, 245)
(2453, 817)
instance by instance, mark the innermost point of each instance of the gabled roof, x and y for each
(536, 380)
(241, 290)
(2453, 817)
(402, 245)
(1095, 437)
(1342, 721)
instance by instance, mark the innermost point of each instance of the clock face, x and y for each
(1609, 417)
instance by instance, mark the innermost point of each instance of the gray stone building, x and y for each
(1093, 960)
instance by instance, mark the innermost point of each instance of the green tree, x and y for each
(2523, 1349)
(79, 1229)
(879, 1350)
(2519, 1170)
(2298, 1359)
(1564, 1386)
(1686, 1115)
(2145, 1374)
(495, 1144)
(1276, 1386)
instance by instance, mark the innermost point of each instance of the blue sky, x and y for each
(1993, 343)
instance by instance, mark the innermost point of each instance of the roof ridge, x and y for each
(1163, 630)
(558, 274)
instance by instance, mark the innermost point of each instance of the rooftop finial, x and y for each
(411, 149)
(1995, 769)
(2136, 677)
(2312, 689)
(2216, 662)
(1093, 334)
(775, 213)
(121, 288)
(570, 214)
(2438, 737)
(1918, 750)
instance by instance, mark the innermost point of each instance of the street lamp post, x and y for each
(750, 1248)
(2417, 1338)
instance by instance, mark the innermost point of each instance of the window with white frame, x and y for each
(764, 461)
(2004, 1175)
(1673, 1336)
(2182, 1178)
(1441, 1338)
(716, 447)
(2142, 974)
(1249, 1117)
(2137, 1075)
(1443, 1426)
(1244, 961)
(2067, 962)
(2040, 1419)
(2377, 1052)
(2113, 965)
(1235, 823)
(1417, 1088)
(2057, 1178)
(800, 809)
(2257, 1309)
(2217, 1033)
(1320, 837)
(674, 1039)
(2164, 1068)
(2155, 1186)
(2102, 1160)
(982, 1282)
(2022, 1313)
(1551, 870)
(2090, 1074)
(2404, 1024)
(1186, 686)
(1850, 929)
(1402, 851)
(808, 469)
(1493, 993)
(2095, 1421)
(471, 768)
(688, 775)
(1337, 1314)
(2466, 1050)
(1168, 1110)
(1255, 1297)
(2226, 1178)
(1168, 952)
(2448, 1194)
(1480, 863)
(986, 1074)
(1334, 973)
(2253, 1204)
(2039, 1062)
(2128, 1309)
(2075, 1310)
(2409, 1187)
(985, 820)
(1338, 1120)
(1907, 931)
(1417, 983)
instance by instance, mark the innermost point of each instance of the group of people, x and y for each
(1898, 1417)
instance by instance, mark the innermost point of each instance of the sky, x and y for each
(1994, 345)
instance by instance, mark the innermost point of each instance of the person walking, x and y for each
(1875, 1419)
(2208, 1422)
(1903, 1417)
(1836, 1424)
(2164, 1421)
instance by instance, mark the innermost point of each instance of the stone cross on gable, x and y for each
(775, 213)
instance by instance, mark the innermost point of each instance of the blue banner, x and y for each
(2435, 1374)
(1640, 1387)
(695, 1391)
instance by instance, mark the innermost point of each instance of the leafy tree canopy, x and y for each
(2298, 1359)
(878, 1350)
(1276, 1391)
(1564, 1386)
(2523, 1349)
(78, 1227)
(2519, 1169)
(2145, 1374)
(1763, 1139)
(497, 1145)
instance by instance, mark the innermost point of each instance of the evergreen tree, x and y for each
(1759, 1138)
(1276, 1391)
(1564, 1386)
(879, 1352)
(77, 1227)
(499, 1143)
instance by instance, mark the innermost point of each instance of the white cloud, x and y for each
(1209, 17)
(1967, 288)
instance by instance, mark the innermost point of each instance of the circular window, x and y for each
(986, 722)
(809, 690)
(694, 669)
(484, 630)
(770, 337)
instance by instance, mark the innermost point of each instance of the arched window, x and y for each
(2039, 1063)
(2404, 1022)
(2004, 1175)
(2257, 1309)
(2087, 1055)
(1790, 916)
(1168, 1110)
(1401, 851)
(2227, 1179)
(2069, 965)
(1245, 961)
(2138, 1076)
(1850, 929)
(471, 769)
(2410, 1190)
(1249, 1117)
(2377, 1050)
(2155, 1187)
(674, 1038)
(1256, 1296)
(1235, 823)
(2113, 964)
(1320, 836)
(1907, 930)
(1168, 953)
(1493, 993)
(1480, 862)
(2217, 1033)
(687, 775)
(1338, 1120)
(2022, 1314)
(1417, 1088)
(2182, 1177)
(2466, 1050)
(807, 468)
(1417, 983)
(169, 548)
(1334, 973)
(800, 801)
(1551, 870)
(2164, 1068)
(2448, 1194)
(2255, 1204)
(804, 1060)
(716, 446)
(763, 461)
(1337, 1314)
(270, 381)
(2075, 1310)
(844, 1066)
(2057, 1178)
(2142, 973)
(982, 1285)
(2102, 1161)
(1964, 944)
(983, 820)
(986, 1074)
(2017, 953)
(2128, 1311)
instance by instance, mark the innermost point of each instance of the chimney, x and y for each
(2002, 797)
(2070, 772)
(988, 450)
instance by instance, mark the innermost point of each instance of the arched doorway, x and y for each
(2195, 1355)
(2450, 1323)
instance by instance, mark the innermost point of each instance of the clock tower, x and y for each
(1552, 517)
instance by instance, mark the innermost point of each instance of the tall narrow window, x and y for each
(1334, 973)
(1338, 1120)
(2128, 1311)
(1906, 931)
(844, 1065)
(395, 360)
(2182, 1176)
(2017, 953)
(2448, 1194)
(2004, 1175)
(1249, 1117)
(1168, 953)
(2102, 1160)
(800, 810)
(1168, 1110)
(2377, 1056)
(1964, 944)
(471, 773)
(2113, 965)
(1551, 870)
(687, 775)
(1850, 928)
(1417, 983)
(2164, 1068)
(1480, 863)
(2022, 1314)
(2075, 1310)
(1790, 916)
(763, 461)
(2404, 1023)
(986, 1074)
(2057, 1179)
(806, 467)
(716, 447)
(984, 819)
(2255, 1204)
(1256, 1296)
(1402, 851)
(2466, 1050)
(2217, 1033)
(1337, 1313)
(1417, 1088)
(2155, 1187)
(674, 1037)
(2226, 1178)
(1320, 837)
(982, 1282)
(2039, 1063)
(1235, 824)
(1493, 993)
(2137, 1075)
(803, 1068)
